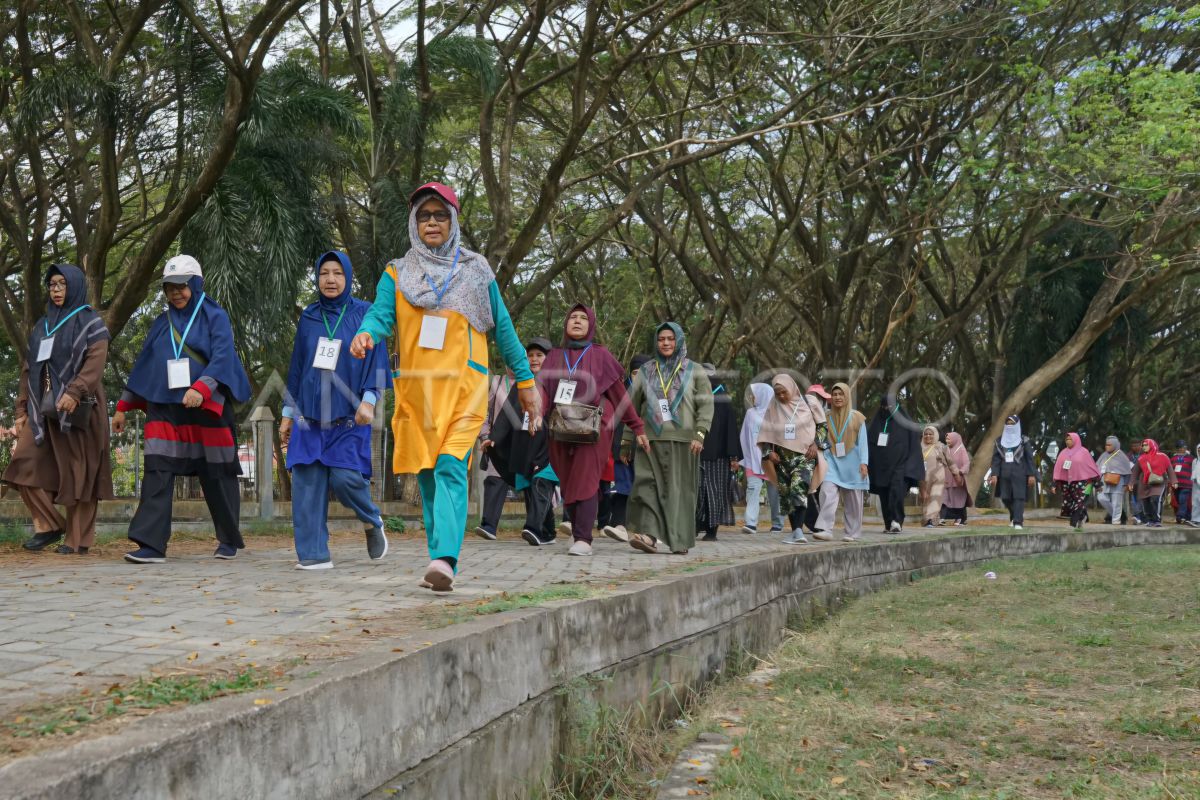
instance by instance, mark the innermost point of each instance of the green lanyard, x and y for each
(336, 324)
(887, 421)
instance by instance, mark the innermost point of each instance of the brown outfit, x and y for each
(71, 469)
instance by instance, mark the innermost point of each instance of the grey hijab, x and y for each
(1116, 461)
(469, 278)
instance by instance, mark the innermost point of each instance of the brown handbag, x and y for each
(575, 423)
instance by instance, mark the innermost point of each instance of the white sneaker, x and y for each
(617, 532)
(823, 536)
(564, 529)
(1017, 528)
(796, 537)
(849, 538)
(895, 528)
(580, 548)
(314, 565)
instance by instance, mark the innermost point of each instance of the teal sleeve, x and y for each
(506, 337)
(380, 321)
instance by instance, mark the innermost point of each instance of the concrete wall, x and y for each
(482, 710)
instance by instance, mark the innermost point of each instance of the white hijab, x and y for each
(1012, 435)
(751, 454)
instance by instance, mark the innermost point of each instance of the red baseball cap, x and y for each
(818, 390)
(441, 190)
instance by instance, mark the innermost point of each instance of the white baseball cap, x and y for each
(180, 269)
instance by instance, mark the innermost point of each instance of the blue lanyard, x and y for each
(178, 346)
(849, 414)
(440, 293)
(63, 321)
(567, 359)
(719, 388)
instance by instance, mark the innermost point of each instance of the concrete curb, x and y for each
(477, 709)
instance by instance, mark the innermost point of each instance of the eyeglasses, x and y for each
(59, 285)
(174, 288)
(437, 216)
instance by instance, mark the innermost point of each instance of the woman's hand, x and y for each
(1030, 481)
(812, 450)
(1053, 489)
(66, 404)
(360, 344)
(773, 457)
(118, 422)
(734, 466)
(643, 441)
(992, 481)
(192, 399)
(531, 403)
(365, 414)
(697, 447)
(486, 444)
(285, 431)
(862, 470)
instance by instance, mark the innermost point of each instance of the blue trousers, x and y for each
(311, 485)
(444, 506)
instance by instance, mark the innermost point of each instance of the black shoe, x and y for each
(40, 541)
(377, 544)
(709, 537)
(63, 550)
(225, 552)
(145, 555)
(531, 537)
(485, 533)
(83, 551)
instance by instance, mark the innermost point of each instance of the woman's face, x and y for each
(577, 324)
(928, 436)
(536, 357)
(1145, 447)
(58, 290)
(433, 222)
(782, 393)
(178, 294)
(666, 343)
(1070, 440)
(837, 398)
(1108, 447)
(331, 279)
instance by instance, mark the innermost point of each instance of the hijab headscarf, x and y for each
(321, 394)
(1012, 432)
(800, 411)
(1082, 468)
(210, 338)
(674, 371)
(1154, 462)
(936, 435)
(81, 328)
(958, 452)
(758, 399)
(594, 370)
(1116, 461)
(845, 423)
(464, 276)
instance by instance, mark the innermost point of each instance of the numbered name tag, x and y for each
(839, 449)
(433, 332)
(179, 373)
(882, 440)
(789, 431)
(1179, 467)
(1009, 457)
(525, 422)
(664, 411)
(1067, 464)
(328, 351)
(565, 393)
(44, 348)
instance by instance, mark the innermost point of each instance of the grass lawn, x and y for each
(1068, 676)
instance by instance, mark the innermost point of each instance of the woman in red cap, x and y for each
(439, 302)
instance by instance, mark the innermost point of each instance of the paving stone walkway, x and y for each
(69, 622)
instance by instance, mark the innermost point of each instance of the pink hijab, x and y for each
(958, 452)
(1082, 465)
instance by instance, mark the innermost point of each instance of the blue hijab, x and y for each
(210, 338)
(314, 393)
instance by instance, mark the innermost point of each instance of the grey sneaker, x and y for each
(795, 537)
(377, 543)
(823, 536)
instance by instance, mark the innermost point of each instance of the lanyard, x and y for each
(887, 421)
(63, 321)
(719, 388)
(178, 346)
(336, 324)
(845, 426)
(440, 293)
(669, 381)
(567, 359)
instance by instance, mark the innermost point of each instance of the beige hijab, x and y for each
(838, 421)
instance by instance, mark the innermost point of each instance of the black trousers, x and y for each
(151, 523)
(1016, 510)
(539, 509)
(959, 514)
(494, 492)
(604, 514)
(1152, 507)
(812, 511)
(891, 502)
